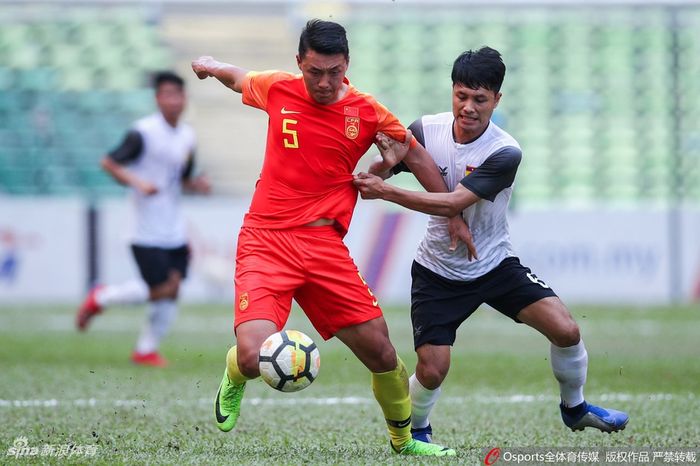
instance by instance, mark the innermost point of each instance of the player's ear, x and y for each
(299, 61)
(498, 99)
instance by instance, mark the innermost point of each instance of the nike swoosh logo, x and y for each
(220, 418)
(284, 111)
(399, 424)
(375, 303)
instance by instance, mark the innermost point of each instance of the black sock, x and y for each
(574, 410)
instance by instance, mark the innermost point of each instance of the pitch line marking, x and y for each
(330, 401)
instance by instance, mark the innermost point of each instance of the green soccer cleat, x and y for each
(228, 404)
(417, 448)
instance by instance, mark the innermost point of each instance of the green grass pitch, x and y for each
(58, 387)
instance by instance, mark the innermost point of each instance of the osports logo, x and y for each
(492, 456)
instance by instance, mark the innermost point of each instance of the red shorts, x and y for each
(311, 265)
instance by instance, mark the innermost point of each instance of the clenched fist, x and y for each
(202, 65)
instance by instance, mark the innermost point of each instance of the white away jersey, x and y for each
(487, 167)
(162, 155)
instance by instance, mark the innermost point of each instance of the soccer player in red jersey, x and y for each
(291, 243)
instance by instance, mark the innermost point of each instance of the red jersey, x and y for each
(311, 152)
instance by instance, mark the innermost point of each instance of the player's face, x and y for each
(170, 99)
(323, 75)
(472, 109)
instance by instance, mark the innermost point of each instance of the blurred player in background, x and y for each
(291, 243)
(155, 159)
(479, 162)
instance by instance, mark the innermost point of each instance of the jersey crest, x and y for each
(352, 122)
(352, 127)
(243, 301)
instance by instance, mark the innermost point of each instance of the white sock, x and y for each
(570, 366)
(131, 292)
(422, 402)
(161, 315)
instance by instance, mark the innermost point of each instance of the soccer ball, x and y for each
(289, 361)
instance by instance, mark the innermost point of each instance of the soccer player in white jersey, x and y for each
(479, 161)
(156, 160)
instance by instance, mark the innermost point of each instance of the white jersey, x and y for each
(162, 155)
(486, 166)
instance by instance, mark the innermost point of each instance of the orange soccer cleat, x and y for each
(153, 359)
(88, 309)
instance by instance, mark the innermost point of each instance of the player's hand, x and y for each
(200, 184)
(370, 186)
(146, 188)
(459, 231)
(391, 150)
(201, 66)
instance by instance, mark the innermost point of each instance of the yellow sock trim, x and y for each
(391, 391)
(234, 374)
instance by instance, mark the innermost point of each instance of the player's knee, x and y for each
(430, 375)
(567, 335)
(248, 362)
(385, 359)
(173, 284)
(167, 290)
(162, 292)
(173, 290)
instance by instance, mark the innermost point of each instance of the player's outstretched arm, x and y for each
(442, 204)
(423, 167)
(125, 177)
(230, 76)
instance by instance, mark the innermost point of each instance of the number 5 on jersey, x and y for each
(290, 138)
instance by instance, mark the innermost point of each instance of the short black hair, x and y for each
(162, 77)
(324, 37)
(480, 68)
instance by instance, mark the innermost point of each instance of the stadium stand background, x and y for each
(71, 81)
(604, 100)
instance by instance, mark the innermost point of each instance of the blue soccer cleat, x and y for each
(424, 434)
(605, 420)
